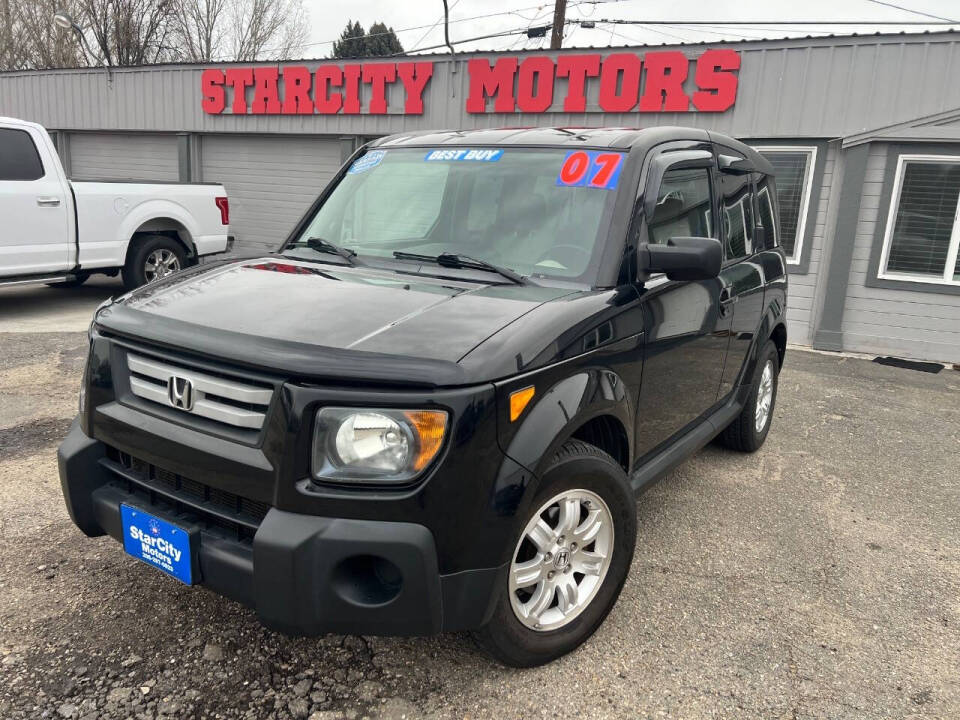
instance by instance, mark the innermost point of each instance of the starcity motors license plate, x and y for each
(157, 543)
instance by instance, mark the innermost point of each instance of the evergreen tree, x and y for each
(352, 42)
(381, 40)
(355, 43)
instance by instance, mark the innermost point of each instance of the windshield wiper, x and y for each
(325, 246)
(458, 260)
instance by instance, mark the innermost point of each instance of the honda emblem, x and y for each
(180, 393)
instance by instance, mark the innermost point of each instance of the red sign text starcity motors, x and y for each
(625, 82)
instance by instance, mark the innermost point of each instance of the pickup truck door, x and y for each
(34, 205)
(686, 326)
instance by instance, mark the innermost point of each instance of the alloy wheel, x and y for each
(764, 398)
(561, 560)
(159, 264)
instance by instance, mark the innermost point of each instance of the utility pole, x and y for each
(559, 13)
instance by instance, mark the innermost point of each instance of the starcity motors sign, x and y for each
(660, 81)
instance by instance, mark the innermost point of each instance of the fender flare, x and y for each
(560, 410)
(158, 210)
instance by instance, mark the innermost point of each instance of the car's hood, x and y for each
(324, 320)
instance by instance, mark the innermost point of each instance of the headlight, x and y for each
(375, 445)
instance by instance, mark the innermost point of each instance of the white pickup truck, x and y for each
(57, 231)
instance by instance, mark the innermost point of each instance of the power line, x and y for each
(910, 10)
(751, 23)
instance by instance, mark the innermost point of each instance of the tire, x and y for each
(78, 280)
(586, 474)
(142, 266)
(743, 434)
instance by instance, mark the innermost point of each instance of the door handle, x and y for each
(48, 201)
(727, 300)
(727, 297)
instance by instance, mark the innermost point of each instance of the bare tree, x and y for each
(131, 32)
(266, 29)
(29, 39)
(200, 27)
(142, 32)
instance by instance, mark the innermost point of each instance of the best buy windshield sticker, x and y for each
(367, 162)
(591, 168)
(464, 155)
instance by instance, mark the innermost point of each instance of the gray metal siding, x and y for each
(819, 87)
(114, 156)
(271, 181)
(899, 322)
(803, 286)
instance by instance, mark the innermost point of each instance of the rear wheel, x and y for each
(571, 558)
(154, 257)
(749, 430)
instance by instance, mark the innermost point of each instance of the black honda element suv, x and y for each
(433, 407)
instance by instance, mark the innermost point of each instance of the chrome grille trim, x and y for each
(149, 379)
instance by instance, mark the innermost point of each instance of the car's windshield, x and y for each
(539, 212)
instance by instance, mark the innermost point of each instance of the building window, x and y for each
(793, 168)
(922, 237)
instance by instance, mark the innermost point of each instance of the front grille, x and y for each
(232, 514)
(227, 400)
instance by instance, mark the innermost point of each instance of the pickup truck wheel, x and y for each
(153, 257)
(572, 555)
(749, 430)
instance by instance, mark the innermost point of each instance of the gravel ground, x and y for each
(817, 578)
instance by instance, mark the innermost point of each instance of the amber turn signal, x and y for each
(519, 399)
(430, 425)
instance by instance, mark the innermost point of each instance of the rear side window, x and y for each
(18, 156)
(683, 206)
(765, 212)
(737, 216)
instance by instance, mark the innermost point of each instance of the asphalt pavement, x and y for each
(816, 578)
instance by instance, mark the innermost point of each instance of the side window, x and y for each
(737, 215)
(683, 206)
(766, 191)
(18, 156)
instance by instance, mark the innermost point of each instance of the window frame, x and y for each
(800, 245)
(953, 249)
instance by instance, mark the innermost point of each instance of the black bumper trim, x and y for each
(302, 574)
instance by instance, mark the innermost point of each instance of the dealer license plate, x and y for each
(157, 542)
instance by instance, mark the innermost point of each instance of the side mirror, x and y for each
(683, 258)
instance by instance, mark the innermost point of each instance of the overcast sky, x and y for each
(419, 23)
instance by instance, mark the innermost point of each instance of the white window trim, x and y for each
(950, 266)
(811, 150)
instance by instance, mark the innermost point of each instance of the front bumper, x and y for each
(302, 574)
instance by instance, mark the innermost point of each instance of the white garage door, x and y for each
(118, 156)
(271, 181)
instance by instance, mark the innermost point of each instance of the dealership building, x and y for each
(864, 132)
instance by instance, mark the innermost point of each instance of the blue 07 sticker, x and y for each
(591, 168)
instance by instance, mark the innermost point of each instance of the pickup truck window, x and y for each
(512, 207)
(18, 156)
(683, 206)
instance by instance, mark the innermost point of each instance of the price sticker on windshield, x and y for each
(591, 168)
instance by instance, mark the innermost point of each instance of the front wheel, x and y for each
(570, 561)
